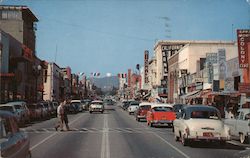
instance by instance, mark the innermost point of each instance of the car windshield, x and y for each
(145, 107)
(75, 103)
(6, 108)
(205, 115)
(97, 103)
(162, 109)
(17, 106)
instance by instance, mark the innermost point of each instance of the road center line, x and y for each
(50, 136)
(105, 149)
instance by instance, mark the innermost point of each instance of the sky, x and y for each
(110, 36)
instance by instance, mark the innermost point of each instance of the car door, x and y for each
(16, 145)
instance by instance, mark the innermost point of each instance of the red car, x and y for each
(161, 114)
(141, 112)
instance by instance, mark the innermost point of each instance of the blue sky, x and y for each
(111, 35)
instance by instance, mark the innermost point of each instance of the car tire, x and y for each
(151, 124)
(90, 112)
(138, 119)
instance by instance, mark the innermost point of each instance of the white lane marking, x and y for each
(105, 148)
(164, 140)
(47, 138)
(175, 148)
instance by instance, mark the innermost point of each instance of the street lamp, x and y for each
(36, 72)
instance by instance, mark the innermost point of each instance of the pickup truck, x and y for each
(240, 127)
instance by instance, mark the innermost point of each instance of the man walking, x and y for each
(60, 116)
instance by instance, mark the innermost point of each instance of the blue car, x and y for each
(13, 142)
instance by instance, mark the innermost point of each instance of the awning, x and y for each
(190, 94)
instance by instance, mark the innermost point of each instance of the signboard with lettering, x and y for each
(244, 87)
(211, 58)
(222, 63)
(146, 54)
(243, 37)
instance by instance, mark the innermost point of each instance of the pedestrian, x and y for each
(65, 117)
(60, 115)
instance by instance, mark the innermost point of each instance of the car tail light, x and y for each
(187, 130)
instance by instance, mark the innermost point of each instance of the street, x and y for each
(115, 134)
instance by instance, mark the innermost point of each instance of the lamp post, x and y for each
(36, 71)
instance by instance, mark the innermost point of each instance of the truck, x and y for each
(240, 126)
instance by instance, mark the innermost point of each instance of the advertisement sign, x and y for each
(222, 63)
(211, 58)
(146, 58)
(244, 87)
(243, 37)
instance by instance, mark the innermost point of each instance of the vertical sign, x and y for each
(243, 37)
(222, 64)
(129, 77)
(211, 58)
(146, 54)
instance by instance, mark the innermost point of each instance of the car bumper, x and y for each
(162, 122)
(205, 138)
(141, 117)
(96, 110)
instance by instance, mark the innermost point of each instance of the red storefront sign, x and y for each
(27, 53)
(244, 87)
(243, 37)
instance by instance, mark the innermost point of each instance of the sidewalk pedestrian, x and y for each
(60, 116)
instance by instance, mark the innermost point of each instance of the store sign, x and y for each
(211, 58)
(244, 87)
(146, 58)
(243, 37)
(222, 64)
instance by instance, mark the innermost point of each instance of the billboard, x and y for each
(146, 57)
(243, 37)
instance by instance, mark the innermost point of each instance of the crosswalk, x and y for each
(93, 130)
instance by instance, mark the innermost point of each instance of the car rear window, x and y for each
(205, 115)
(162, 109)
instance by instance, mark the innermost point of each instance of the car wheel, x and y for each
(184, 141)
(90, 112)
(138, 120)
(242, 138)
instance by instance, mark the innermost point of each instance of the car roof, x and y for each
(16, 102)
(161, 105)
(7, 104)
(199, 107)
(97, 101)
(145, 103)
(75, 101)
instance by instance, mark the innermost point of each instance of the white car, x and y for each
(77, 104)
(200, 123)
(133, 106)
(96, 106)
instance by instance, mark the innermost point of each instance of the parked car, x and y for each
(160, 114)
(77, 104)
(11, 108)
(13, 142)
(141, 112)
(200, 123)
(22, 107)
(45, 114)
(133, 106)
(48, 108)
(96, 106)
(36, 111)
(239, 126)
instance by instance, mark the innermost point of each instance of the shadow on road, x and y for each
(216, 145)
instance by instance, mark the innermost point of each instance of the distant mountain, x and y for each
(106, 83)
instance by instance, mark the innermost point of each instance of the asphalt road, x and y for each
(116, 134)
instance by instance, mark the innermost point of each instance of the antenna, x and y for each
(56, 54)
